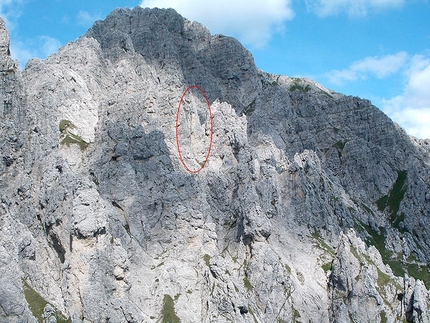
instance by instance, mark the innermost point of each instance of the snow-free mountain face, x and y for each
(312, 207)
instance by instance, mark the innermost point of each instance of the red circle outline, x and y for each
(177, 131)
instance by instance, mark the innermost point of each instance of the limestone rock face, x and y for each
(312, 207)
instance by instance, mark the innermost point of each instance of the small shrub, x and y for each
(65, 124)
(326, 267)
(300, 277)
(250, 108)
(247, 283)
(296, 315)
(340, 145)
(297, 85)
(207, 258)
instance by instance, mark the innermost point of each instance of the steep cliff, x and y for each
(313, 206)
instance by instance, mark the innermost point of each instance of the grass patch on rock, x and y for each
(37, 303)
(168, 314)
(395, 261)
(392, 200)
(65, 125)
(300, 86)
(67, 138)
(322, 244)
(70, 139)
(326, 267)
(250, 108)
(247, 284)
(207, 259)
(419, 272)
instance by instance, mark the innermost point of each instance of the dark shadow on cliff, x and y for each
(220, 65)
(135, 173)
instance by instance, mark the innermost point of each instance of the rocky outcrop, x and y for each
(313, 205)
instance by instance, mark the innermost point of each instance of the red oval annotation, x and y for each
(194, 171)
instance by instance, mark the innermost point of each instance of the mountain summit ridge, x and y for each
(313, 206)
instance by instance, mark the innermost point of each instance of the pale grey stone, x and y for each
(307, 202)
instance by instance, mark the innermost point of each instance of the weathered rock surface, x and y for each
(313, 206)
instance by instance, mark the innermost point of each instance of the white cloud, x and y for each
(380, 67)
(48, 45)
(352, 7)
(86, 19)
(41, 47)
(415, 121)
(4, 3)
(411, 109)
(10, 11)
(252, 21)
(21, 53)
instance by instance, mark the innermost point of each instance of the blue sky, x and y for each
(375, 49)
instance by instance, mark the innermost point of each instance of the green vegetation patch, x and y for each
(340, 145)
(326, 267)
(383, 279)
(159, 265)
(419, 272)
(382, 202)
(322, 244)
(127, 228)
(207, 259)
(37, 304)
(71, 139)
(355, 253)
(300, 277)
(300, 86)
(67, 138)
(394, 198)
(250, 108)
(168, 314)
(65, 125)
(296, 314)
(395, 261)
(252, 313)
(396, 222)
(247, 283)
(377, 239)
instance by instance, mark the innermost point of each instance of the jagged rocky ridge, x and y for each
(313, 207)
